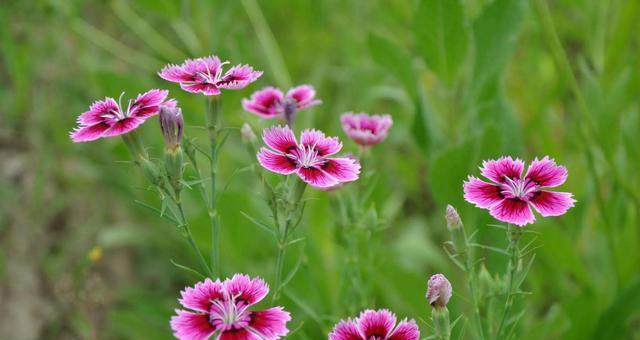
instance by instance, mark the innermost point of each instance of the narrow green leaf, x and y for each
(259, 224)
(190, 270)
(268, 43)
(614, 319)
(442, 36)
(145, 32)
(394, 58)
(494, 34)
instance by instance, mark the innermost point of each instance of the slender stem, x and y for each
(291, 213)
(476, 308)
(180, 217)
(213, 108)
(282, 245)
(138, 151)
(514, 234)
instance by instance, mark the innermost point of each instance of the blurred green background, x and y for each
(463, 81)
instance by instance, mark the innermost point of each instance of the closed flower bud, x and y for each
(171, 123)
(439, 291)
(458, 236)
(452, 217)
(247, 134)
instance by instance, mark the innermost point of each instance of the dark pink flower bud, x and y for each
(439, 291)
(171, 123)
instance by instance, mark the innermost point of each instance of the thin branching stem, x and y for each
(211, 117)
(514, 234)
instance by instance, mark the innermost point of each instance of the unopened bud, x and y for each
(458, 236)
(171, 124)
(452, 217)
(438, 291)
(247, 133)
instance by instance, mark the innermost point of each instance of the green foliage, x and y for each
(442, 36)
(502, 77)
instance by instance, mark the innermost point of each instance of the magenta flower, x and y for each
(438, 291)
(309, 159)
(221, 308)
(510, 197)
(365, 129)
(204, 75)
(270, 102)
(107, 118)
(378, 325)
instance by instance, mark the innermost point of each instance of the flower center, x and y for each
(307, 156)
(206, 77)
(227, 314)
(522, 189)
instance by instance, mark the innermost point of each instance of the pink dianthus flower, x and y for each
(511, 195)
(310, 159)
(372, 324)
(222, 308)
(204, 75)
(107, 118)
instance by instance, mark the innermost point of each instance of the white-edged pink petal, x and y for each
(497, 170)
(191, 326)
(175, 73)
(550, 203)
(304, 96)
(513, 211)
(317, 178)
(276, 162)
(266, 103)
(342, 169)
(89, 133)
(204, 88)
(406, 330)
(246, 290)
(199, 297)
(484, 195)
(376, 324)
(546, 173)
(270, 323)
(345, 330)
(148, 104)
(98, 110)
(325, 146)
(238, 77)
(123, 126)
(280, 138)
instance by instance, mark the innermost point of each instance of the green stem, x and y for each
(291, 213)
(476, 307)
(213, 109)
(282, 245)
(514, 234)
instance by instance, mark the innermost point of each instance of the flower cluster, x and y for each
(223, 309)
